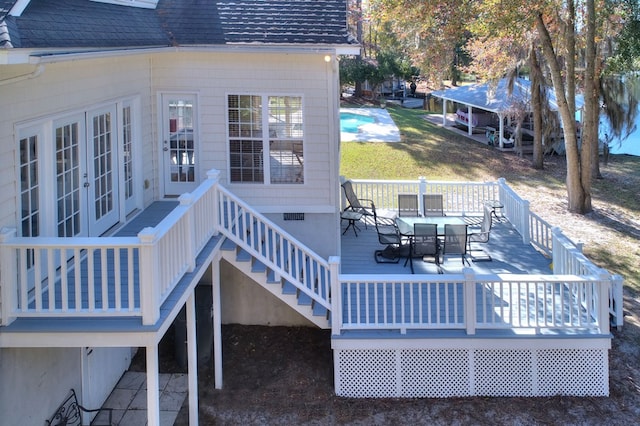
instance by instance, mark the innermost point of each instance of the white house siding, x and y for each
(79, 85)
(212, 76)
(48, 374)
(67, 87)
(35, 381)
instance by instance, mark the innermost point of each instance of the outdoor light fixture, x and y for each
(327, 58)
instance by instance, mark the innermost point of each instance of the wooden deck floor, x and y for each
(509, 254)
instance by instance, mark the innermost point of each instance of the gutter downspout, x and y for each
(35, 73)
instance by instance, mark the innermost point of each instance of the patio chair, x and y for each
(424, 243)
(360, 205)
(481, 236)
(455, 242)
(433, 205)
(389, 236)
(408, 205)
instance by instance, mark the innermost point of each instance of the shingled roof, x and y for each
(88, 24)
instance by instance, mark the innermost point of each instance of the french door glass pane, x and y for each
(68, 180)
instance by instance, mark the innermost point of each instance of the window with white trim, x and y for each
(280, 146)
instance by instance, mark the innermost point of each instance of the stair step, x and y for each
(304, 299)
(243, 256)
(319, 310)
(288, 288)
(228, 245)
(258, 266)
(271, 277)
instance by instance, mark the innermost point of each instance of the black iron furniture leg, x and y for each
(352, 217)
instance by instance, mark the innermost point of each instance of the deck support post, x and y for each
(524, 225)
(8, 263)
(470, 300)
(217, 322)
(603, 301)
(153, 385)
(192, 359)
(186, 200)
(214, 176)
(336, 302)
(149, 277)
(422, 189)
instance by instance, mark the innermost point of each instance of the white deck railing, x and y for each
(114, 276)
(459, 197)
(44, 277)
(275, 248)
(470, 302)
(467, 198)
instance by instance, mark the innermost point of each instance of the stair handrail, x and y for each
(232, 223)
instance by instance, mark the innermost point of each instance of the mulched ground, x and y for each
(284, 375)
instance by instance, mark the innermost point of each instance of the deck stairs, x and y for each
(272, 281)
(275, 260)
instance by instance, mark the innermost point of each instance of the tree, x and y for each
(428, 31)
(355, 70)
(571, 36)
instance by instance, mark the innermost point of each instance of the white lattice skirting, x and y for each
(558, 367)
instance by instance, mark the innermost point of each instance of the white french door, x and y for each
(101, 172)
(86, 173)
(179, 143)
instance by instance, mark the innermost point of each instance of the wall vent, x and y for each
(293, 216)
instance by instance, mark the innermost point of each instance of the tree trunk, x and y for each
(536, 104)
(575, 192)
(591, 127)
(570, 46)
(591, 108)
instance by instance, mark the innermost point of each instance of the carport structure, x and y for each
(497, 98)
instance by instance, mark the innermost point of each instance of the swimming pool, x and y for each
(367, 125)
(351, 122)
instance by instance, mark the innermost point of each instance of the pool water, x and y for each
(350, 122)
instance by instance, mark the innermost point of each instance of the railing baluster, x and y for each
(117, 281)
(37, 261)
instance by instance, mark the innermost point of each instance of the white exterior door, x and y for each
(102, 171)
(69, 134)
(86, 174)
(179, 143)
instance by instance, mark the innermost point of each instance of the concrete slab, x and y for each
(128, 400)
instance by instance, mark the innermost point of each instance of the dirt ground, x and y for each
(282, 375)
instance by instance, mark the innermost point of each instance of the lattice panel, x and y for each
(503, 372)
(366, 373)
(442, 373)
(434, 373)
(577, 372)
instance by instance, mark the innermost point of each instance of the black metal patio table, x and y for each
(405, 224)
